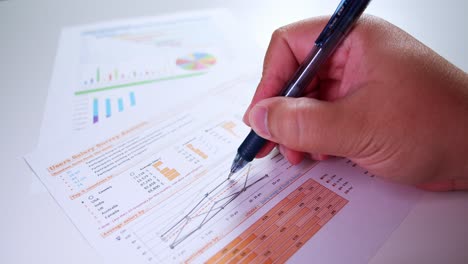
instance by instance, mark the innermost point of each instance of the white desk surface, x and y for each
(33, 227)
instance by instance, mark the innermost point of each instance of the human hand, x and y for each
(383, 100)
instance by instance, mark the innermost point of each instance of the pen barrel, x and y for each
(311, 65)
(252, 144)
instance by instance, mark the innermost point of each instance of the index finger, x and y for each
(289, 45)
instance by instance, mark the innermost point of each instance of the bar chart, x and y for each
(111, 105)
(167, 172)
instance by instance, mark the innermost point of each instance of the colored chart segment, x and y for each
(132, 99)
(121, 104)
(196, 61)
(108, 108)
(283, 230)
(95, 110)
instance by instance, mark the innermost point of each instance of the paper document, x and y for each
(157, 192)
(109, 73)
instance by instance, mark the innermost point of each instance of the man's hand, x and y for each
(383, 100)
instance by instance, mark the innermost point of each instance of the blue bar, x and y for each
(132, 99)
(95, 110)
(121, 106)
(108, 107)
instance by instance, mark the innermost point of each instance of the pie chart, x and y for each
(196, 61)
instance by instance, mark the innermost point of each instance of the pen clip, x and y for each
(332, 23)
(347, 12)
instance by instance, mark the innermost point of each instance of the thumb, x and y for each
(309, 125)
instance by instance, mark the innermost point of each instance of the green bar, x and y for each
(138, 83)
(97, 75)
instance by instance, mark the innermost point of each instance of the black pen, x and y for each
(347, 13)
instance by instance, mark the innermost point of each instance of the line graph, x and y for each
(210, 205)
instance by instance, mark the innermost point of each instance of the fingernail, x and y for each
(259, 121)
(245, 118)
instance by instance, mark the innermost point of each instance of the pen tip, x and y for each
(230, 174)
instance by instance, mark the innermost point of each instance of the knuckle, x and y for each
(279, 33)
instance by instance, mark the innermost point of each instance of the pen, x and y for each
(346, 14)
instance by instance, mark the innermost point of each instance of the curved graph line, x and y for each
(212, 203)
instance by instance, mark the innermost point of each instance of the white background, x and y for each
(33, 227)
